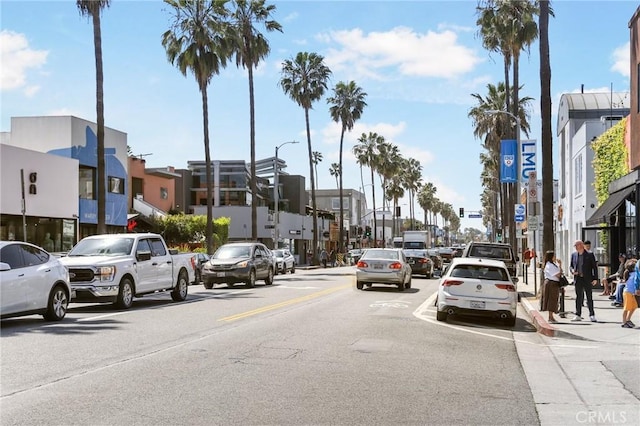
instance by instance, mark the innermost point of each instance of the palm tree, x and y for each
(547, 137)
(389, 163)
(92, 9)
(412, 181)
(426, 196)
(195, 43)
(316, 158)
(249, 47)
(394, 191)
(347, 104)
(304, 79)
(366, 152)
(334, 170)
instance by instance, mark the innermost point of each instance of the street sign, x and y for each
(475, 216)
(519, 211)
(532, 223)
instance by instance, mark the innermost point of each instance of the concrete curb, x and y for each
(541, 324)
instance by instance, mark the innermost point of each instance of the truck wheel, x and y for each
(269, 279)
(208, 285)
(57, 306)
(252, 279)
(293, 268)
(179, 293)
(125, 294)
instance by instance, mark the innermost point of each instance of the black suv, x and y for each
(239, 263)
(498, 251)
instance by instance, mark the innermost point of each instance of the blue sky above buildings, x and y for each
(418, 61)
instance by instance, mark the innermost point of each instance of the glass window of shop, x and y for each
(53, 235)
(87, 179)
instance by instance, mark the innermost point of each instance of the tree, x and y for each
(411, 175)
(547, 136)
(394, 191)
(249, 46)
(316, 158)
(426, 197)
(366, 152)
(195, 43)
(347, 104)
(92, 9)
(334, 170)
(304, 79)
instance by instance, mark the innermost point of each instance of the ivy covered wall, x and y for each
(611, 159)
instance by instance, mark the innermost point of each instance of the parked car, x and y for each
(115, 268)
(274, 260)
(498, 251)
(383, 266)
(239, 263)
(477, 287)
(420, 262)
(354, 255)
(446, 254)
(200, 259)
(32, 282)
(285, 261)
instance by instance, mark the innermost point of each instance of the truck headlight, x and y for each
(242, 264)
(106, 273)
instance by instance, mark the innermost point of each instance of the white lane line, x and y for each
(419, 313)
(297, 287)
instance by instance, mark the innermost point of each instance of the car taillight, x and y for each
(395, 265)
(448, 282)
(508, 287)
(361, 264)
(424, 261)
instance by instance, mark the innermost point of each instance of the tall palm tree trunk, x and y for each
(547, 137)
(102, 178)
(207, 161)
(341, 221)
(254, 192)
(314, 249)
(375, 220)
(515, 196)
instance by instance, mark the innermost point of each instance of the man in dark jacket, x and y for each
(585, 275)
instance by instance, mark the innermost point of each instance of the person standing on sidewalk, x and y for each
(550, 286)
(629, 296)
(585, 273)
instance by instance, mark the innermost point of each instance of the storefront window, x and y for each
(87, 179)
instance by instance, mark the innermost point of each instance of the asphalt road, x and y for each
(311, 349)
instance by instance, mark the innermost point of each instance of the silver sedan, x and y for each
(383, 266)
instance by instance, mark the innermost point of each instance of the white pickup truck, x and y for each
(118, 267)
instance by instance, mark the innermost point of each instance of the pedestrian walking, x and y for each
(324, 257)
(551, 285)
(585, 273)
(631, 290)
(332, 258)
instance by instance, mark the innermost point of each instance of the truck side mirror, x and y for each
(141, 256)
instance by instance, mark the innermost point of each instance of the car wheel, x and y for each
(230, 285)
(125, 294)
(408, 284)
(252, 279)
(293, 268)
(441, 316)
(269, 279)
(208, 285)
(401, 286)
(179, 293)
(198, 277)
(57, 305)
(359, 285)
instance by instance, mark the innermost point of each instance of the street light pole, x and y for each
(276, 193)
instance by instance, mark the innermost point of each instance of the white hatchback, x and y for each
(32, 282)
(477, 287)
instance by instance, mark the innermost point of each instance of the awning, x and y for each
(610, 206)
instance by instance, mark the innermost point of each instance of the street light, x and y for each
(276, 194)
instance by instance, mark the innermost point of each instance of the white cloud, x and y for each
(622, 59)
(16, 58)
(400, 50)
(30, 91)
(454, 27)
(290, 17)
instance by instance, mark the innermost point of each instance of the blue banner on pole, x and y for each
(508, 161)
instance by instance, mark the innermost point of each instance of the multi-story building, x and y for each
(355, 214)
(75, 139)
(582, 117)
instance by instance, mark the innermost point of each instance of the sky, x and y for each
(418, 61)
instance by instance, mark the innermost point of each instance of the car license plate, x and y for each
(222, 274)
(477, 305)
(377, 266)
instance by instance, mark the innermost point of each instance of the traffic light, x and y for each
(33, 179)
(499, 235)
(461, 211)
(367, 231)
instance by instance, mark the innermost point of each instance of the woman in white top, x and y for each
(551, 286)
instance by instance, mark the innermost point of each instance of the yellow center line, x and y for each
(285, 303)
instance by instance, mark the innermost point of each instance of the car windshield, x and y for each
(381, 254)
(414, 244)
(415, 253)
(490, 252)
(103, 247)
(232, 252)
(278, 253)
(481, 272)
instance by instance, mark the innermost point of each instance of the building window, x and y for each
(335, 203)
(87, 179)
(164, 193)
(577, 172)
(116, 185)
